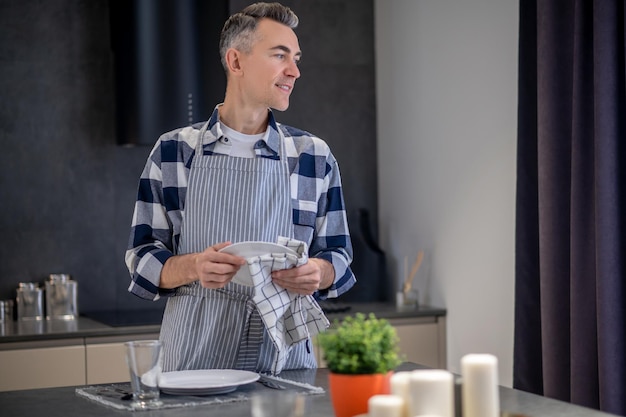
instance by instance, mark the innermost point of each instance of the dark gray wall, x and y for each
(67, 190)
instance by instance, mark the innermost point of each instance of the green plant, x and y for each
(360, 345)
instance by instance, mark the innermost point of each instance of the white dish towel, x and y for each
(289, 317)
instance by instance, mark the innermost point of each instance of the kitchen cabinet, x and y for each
(44, 364)
(65, 362)
(105, 358)
(86, 351)
(422, 340)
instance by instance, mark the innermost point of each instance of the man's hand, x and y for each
(306, 279)
(210, 267)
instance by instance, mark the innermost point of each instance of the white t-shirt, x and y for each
(242, 145)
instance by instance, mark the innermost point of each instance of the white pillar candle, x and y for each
(480, 385)
(431, 391)
(399, 385)
(385, 406)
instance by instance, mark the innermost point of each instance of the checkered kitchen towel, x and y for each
(288, 317)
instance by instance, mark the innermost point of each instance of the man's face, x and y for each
(271, 69)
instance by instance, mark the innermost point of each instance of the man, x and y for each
(241, 176)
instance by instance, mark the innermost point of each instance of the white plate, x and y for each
(204, 381)
(250, 250)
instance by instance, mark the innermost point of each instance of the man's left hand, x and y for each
(306, 279)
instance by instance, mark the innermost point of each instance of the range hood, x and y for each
(167, 65)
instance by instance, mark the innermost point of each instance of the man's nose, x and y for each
(293, 70)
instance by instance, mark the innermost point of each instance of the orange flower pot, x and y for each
(349, 393)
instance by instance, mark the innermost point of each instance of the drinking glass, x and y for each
(144, 364)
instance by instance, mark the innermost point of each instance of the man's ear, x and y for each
(233, 61)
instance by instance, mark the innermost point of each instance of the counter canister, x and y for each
(6, 310)
(29, 301)
(61, 293)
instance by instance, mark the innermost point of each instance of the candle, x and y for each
(385, 406)
(399, 385)
(431, 391)
(480, 385)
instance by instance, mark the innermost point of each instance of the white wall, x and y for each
(447, 115)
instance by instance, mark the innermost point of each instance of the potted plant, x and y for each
(361, 353)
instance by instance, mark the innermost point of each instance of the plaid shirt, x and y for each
(319, 215)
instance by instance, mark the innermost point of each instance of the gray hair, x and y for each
(239, 30)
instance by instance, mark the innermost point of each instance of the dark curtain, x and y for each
(570, 310)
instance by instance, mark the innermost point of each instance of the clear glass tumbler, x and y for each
(144, 358)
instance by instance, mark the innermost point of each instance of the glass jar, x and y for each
(61, 293)
(29, 301)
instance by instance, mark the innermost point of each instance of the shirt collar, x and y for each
(271, 138)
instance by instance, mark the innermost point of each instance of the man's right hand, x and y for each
(210, 267)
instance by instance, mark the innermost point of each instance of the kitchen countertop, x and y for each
(47, 330)
(145, 322)
(63, 402)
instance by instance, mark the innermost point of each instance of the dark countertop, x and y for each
(381, 310)
(120, 323)
(47, 330)
(63, 402)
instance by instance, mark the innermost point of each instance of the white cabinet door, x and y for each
(43, 367)
(106, 358)
(106, 363)
(422, 340)
(418, 343)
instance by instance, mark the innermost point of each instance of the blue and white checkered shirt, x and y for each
(319, 215)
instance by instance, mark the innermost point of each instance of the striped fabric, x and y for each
(215, 329)
(240, 182)
(207, 329)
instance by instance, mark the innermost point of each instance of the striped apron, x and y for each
(228, 199)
